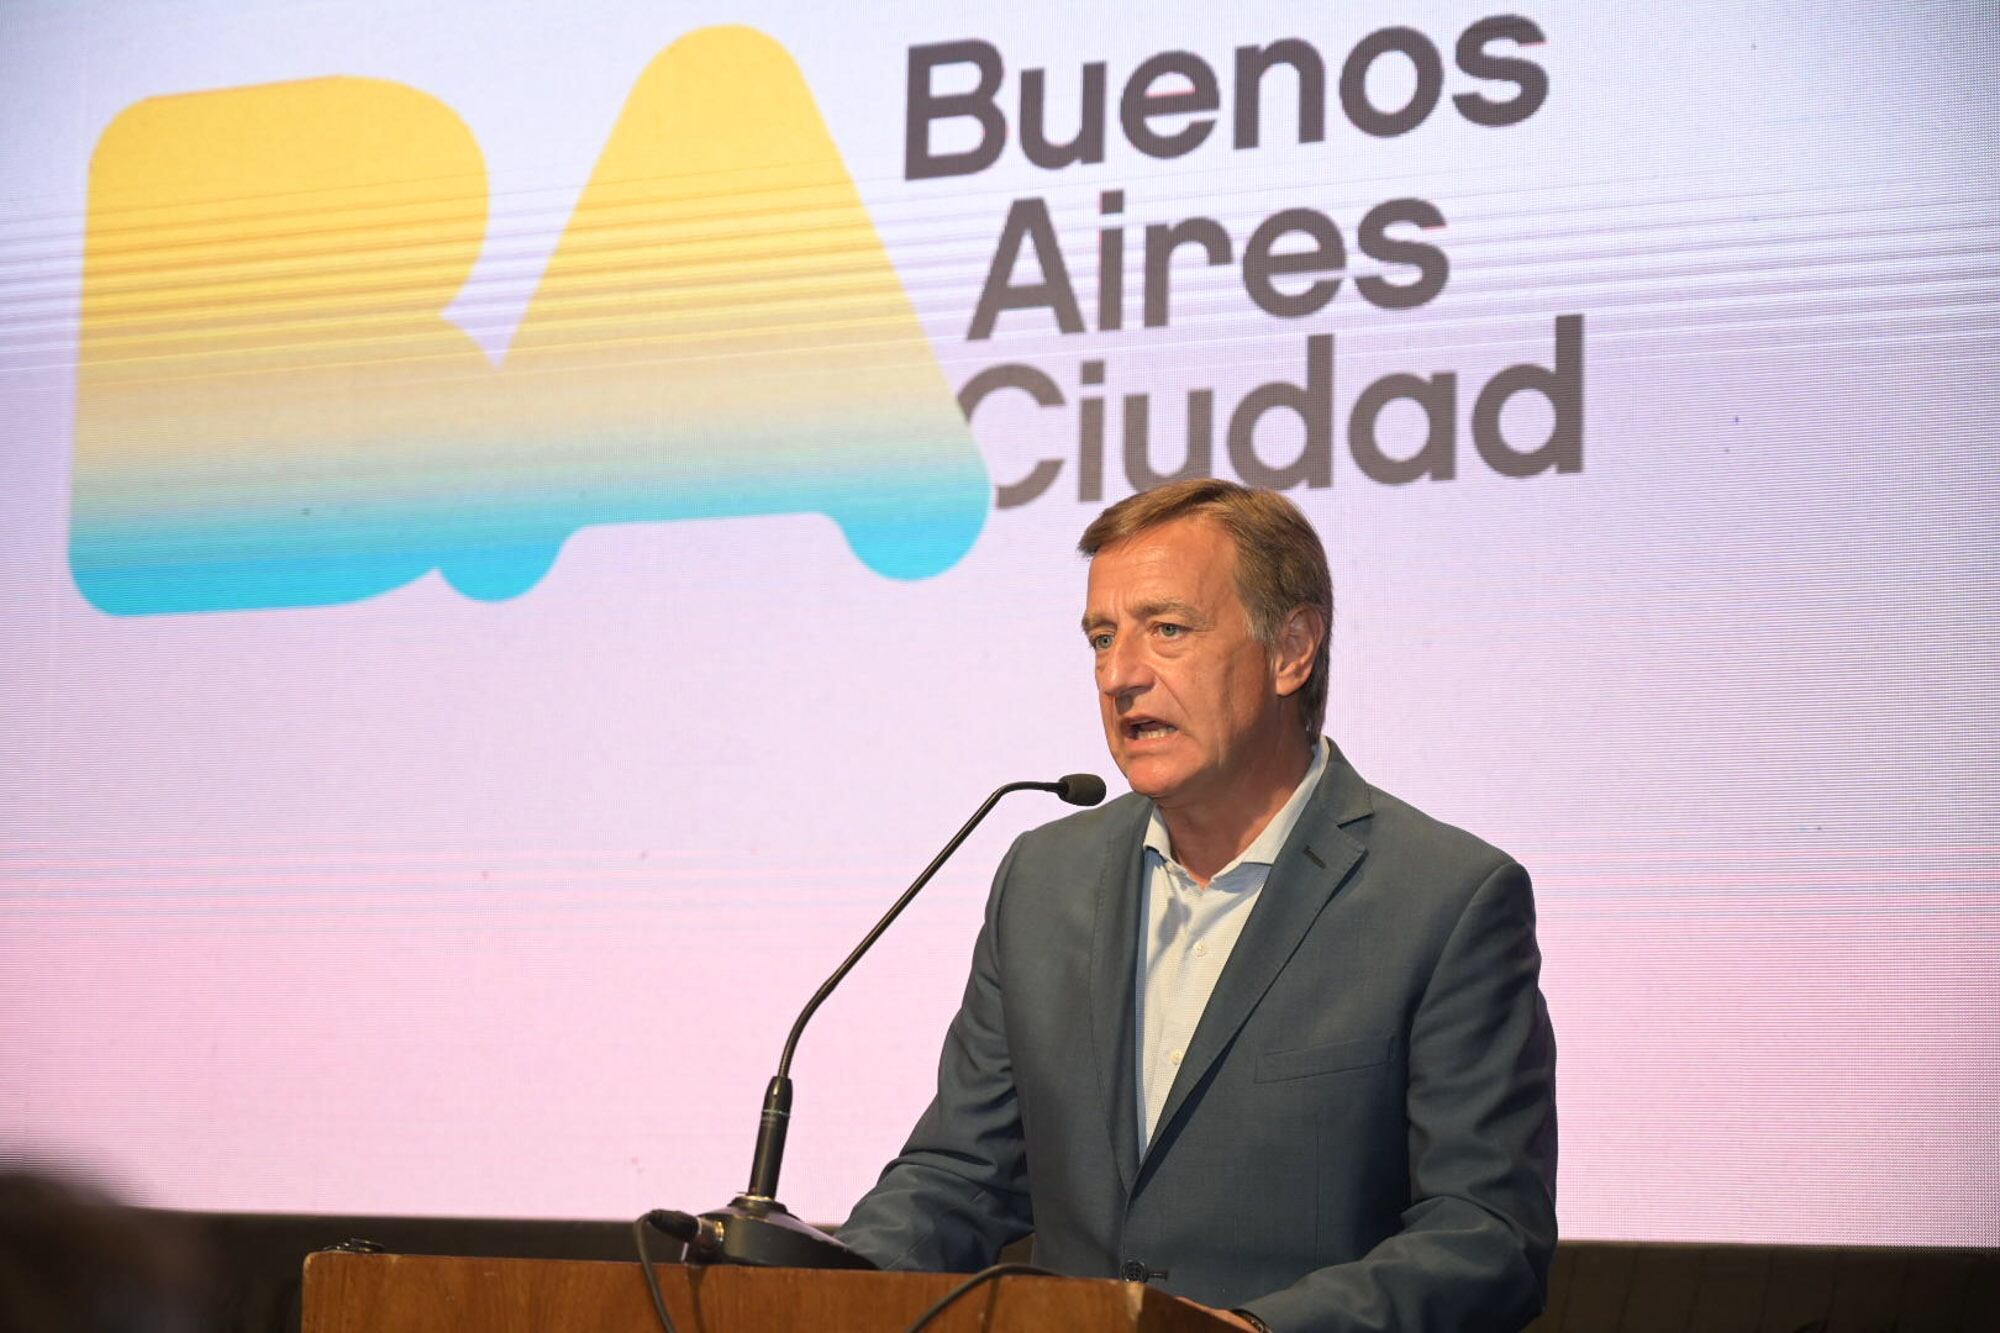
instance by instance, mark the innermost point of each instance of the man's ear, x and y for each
(1298, 639)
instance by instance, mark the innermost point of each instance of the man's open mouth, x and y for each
(1146, 729)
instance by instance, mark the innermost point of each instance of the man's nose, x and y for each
(1122, 669)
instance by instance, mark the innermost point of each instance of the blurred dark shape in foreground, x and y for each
(75, 1260)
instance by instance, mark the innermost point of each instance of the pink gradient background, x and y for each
(421, 905)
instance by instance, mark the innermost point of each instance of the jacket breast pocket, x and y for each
(1277, 1066)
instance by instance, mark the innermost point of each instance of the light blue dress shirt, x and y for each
(1190, 933)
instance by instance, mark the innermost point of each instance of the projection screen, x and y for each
(523, 531)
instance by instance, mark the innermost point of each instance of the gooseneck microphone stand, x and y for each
(755, 1228)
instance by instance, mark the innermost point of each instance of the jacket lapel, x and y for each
(1114, 952)
(1316, 860)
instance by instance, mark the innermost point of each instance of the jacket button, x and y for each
(1134, 1271)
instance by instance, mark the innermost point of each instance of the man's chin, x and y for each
(1149, 775)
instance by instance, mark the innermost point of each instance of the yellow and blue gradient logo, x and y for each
(274, 411)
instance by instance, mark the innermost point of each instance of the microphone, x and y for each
(755, 1228)
(1080, 788)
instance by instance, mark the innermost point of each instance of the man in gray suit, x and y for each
(1258, 1032)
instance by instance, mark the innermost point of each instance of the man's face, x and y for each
(1188, 695)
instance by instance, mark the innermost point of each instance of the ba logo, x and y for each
(273, 409)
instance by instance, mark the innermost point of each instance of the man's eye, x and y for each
(1100, 641)
(1172, 631)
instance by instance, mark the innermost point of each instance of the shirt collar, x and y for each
(1264, 848)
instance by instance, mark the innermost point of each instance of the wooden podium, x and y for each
(413, 1293)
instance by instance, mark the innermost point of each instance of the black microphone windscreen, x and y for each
(1081, 788)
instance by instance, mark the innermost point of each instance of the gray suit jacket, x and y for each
(1361, 1137)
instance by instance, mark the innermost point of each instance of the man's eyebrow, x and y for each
(1168, 608)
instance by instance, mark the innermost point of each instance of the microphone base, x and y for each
(760, 1233)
